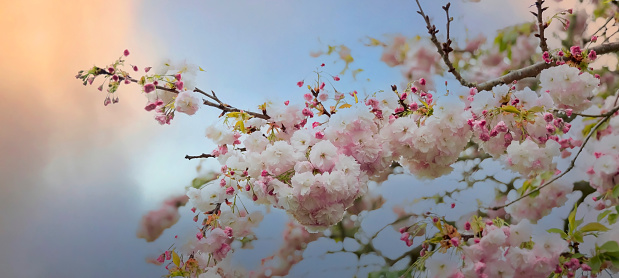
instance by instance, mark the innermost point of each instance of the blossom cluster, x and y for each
(602, 163)
(314, 159)
(526, 125)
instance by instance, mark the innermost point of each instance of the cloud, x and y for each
(68, 196)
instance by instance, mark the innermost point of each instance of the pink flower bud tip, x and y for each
(300, 83)
(149, 88)
(455, 242)
(126, 52)
(592, 55)
(179, 85)
(336, 78)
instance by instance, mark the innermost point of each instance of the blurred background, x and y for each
(76, 176)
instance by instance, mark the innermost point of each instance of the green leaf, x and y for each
(511, 109)
(587, 129)
(578, 236)
(175, 259)
(355, 72)
(525, 187)
(603, 214)
(578, 222)
(558, 231)
(610, 246)
(615, 192)
(594, 227)
(547, 175)
(613, 257)
(612, 218)
(577, 256)
(201, 69)
(536, 109)
(331, 49)
(572, 219)
(595, 263)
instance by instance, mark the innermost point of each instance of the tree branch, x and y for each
(535, 69)
(190, 157)
(445, 55)
(607, 116)
(541, 25)
(219, 105)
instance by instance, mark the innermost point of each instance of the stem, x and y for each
(541, 25)
(190, 157)
(432, 31)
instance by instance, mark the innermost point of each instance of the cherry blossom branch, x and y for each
(447, 45)
(541, 24)
(535, 69)
(225, 108)
(219, 105)
(190, 157)
(607, 116)
(204, 155)
(99, 71)
(440, 49)
(598, 30)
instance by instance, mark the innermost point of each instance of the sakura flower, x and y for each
(187, 103)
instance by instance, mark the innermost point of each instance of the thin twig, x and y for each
(190, 157)
(219, 105)
(607, 116)
(611, 35)
(541, 24)
(432, 31)
(447, 45)
(599, 29)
